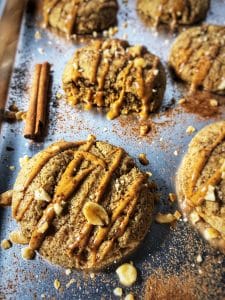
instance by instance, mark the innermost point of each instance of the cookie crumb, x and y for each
(144, 129)
(6, 244)
(199, 258)
(172, 197)
(37, 35)
(143, 159)
(213, 102)
(57, 284)
(68, 272)
(118, 292)
(190, 130)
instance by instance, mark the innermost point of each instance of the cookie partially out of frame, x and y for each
(201, 183)
(198, 57)
(174, 12)
(80, 16)
(83, 205)
(117, 76)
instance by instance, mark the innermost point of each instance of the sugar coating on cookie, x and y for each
(79, 16)
(117, 76)
(201, 183)
(83, 205)
(174, 12)
(198, 57)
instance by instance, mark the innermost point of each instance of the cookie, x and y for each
(83, 205)
(201, 183)
(198, 57)
(174, 12)
(114, 75)
(80, 16)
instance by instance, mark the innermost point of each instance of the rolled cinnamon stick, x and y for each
(36, 115)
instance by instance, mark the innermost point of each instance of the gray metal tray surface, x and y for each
(171, 249)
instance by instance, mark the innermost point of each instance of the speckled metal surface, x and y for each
(164, 247)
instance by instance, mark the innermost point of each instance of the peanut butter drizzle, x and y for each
(130, 199)
(39, 164)
(82, 238)
(101, 82)
(70, 23)
(116, 106)
(203, 67)
(198, 197)
(204, 155)
(146, 92)
(66, 187)
(94, 70)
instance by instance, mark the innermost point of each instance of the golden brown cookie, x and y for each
(198, 57)
(184, 12)
(117, 76)
(80, 16)
(201, 183)
(83, 205)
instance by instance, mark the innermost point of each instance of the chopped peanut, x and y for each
(127, 274)
(95, 214)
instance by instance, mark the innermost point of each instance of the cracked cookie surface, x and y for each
(114, 75)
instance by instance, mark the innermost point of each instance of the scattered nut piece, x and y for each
(210, 195)
(139, 62)
(190, 130)
(143, 159)
(37, 35)
(12, 168)
(43, 228)
(127, 274)
(23, 160)
(95, 214)
(58, 95)
(58, 209)
(95, 34)
(57, 284)
(70, 283)
(92, 275)
(164, 218)
(6, 244)
(182, 101)
(17, 237)
(41, 195)
(129, 297)
(118, 292)
(27, 253)
(177, 215)
(211, 233)
(194, 217)
(199, 258)
(213, 102)
(21, 115)
(68, 272)
(6, 198)
(172, 197)
(149, 174)
(155, 72)
(144, 129)
(175, 152)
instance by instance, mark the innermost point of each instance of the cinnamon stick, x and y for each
(36, 115)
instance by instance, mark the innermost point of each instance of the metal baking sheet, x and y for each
(166, 248)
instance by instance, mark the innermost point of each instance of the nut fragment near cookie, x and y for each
(82, 205)
(201, 183)
(198, 58)
(113, 75)
(79, 17)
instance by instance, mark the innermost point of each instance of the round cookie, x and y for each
(117, 76)
(83, 205)
(198, 57)
(174, 12)
(80, 16)
(201, 183)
